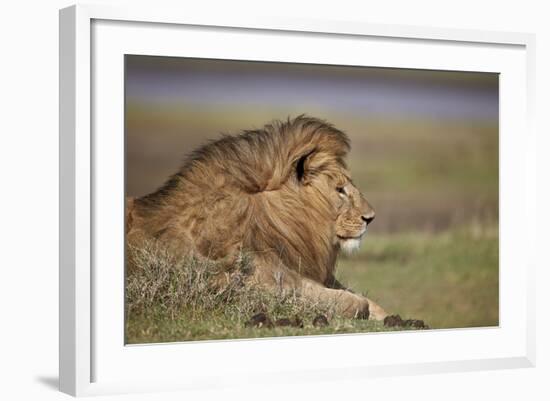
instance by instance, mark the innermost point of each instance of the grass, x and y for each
(173, 299)
(448, 279)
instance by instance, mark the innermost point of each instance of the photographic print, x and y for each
(267, 199)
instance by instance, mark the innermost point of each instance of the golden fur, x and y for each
(281, 193)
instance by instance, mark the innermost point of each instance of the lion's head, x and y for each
(355, 213)
(283, 191)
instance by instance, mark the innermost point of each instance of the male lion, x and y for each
(282, 194)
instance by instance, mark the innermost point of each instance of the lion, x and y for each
(282, 193)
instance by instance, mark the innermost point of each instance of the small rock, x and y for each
(393, 321)
(298, 322)
(417, 324)
(396, 321)
(283, 322)
(259, 320)
(320, 321)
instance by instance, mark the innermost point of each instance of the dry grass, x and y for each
(174, 299)
(161, 280)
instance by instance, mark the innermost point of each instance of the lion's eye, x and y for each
(341, 190)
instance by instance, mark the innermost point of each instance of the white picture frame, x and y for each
(92, 38)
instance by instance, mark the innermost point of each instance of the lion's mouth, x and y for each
(344, 238)
(351, 237)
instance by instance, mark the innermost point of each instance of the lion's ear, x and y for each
(302, 167)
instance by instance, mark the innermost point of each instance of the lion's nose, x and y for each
(368, 218)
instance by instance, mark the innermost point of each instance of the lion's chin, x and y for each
(349, 245)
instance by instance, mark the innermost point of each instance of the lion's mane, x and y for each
(254, 192)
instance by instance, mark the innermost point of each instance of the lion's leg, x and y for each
(280, 278)
(346, 304)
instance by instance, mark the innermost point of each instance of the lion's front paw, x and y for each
(357, 308)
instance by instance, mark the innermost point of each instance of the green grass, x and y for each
(155, 326)
(448, 279)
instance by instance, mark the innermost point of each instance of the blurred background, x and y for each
(424, 153)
